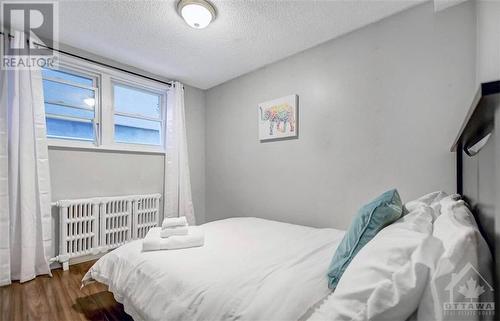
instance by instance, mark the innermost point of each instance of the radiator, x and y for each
(145, 216)
(78, 227)
(116, 222)
(94, 225)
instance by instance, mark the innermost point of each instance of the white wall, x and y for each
(379, 108)
(488, 40)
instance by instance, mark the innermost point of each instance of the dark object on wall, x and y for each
(480, 119)
(475, 134)
(478, 166)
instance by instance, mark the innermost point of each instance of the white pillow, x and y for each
(427, 199)
(433, 200)
(386, 279)
(466, 256)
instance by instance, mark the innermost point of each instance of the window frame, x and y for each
(75, 142)
(149, 89)
(104, 107)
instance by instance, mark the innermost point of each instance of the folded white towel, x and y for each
(174, 221)
(172, 231)
(153, 241)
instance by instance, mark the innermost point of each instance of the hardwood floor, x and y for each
(60, 298)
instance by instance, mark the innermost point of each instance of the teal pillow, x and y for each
(369, 220)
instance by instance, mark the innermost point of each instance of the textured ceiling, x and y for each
(245, 36)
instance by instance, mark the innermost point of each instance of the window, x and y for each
(90, 106)
(137, 116)
(70, 101)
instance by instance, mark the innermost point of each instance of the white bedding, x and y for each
(248, 269)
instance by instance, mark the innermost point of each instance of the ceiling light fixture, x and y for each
(197, 13)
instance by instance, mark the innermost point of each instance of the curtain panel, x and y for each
(178, 200)
(25, 217)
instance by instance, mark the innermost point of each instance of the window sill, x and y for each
(80, 145)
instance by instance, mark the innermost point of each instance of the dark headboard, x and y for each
(477, 177)
(477, 148)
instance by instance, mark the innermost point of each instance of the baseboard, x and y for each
(86, 258)
(78, 260)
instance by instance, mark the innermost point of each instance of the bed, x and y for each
(256, 269)
(245, 264)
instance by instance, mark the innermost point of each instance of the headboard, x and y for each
(477, 148)
(476, 158)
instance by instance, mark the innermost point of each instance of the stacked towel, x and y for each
(174, 222)
(173, 231)
(153, 240)
(174, 226)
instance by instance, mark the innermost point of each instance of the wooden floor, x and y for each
(59, 298)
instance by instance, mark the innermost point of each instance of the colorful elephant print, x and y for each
(278, 115)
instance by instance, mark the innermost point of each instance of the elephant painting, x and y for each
(278, 115)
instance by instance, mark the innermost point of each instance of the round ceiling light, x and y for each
(197, 13)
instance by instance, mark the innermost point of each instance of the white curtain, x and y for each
(178, 201)
(25, 220)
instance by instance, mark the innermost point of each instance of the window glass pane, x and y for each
(64, 76)
(67, 94)
(137, 131)
(68, 111)
(136, 101)
(62, 128)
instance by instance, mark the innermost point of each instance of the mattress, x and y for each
(248, 269)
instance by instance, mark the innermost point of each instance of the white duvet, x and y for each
(248, 269)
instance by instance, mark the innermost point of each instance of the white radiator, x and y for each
(116, 222)
(78, 227)
(145, 216)
(93, 225)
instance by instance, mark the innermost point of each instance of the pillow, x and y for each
(385, 281)
(427, 199)
(463, 272)
(433, 200)
(369, 220)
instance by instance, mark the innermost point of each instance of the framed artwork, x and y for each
(278, 118)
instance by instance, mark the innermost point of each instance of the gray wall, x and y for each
(85, 173)
(379, 108)
(488, 40)
(194, 101)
